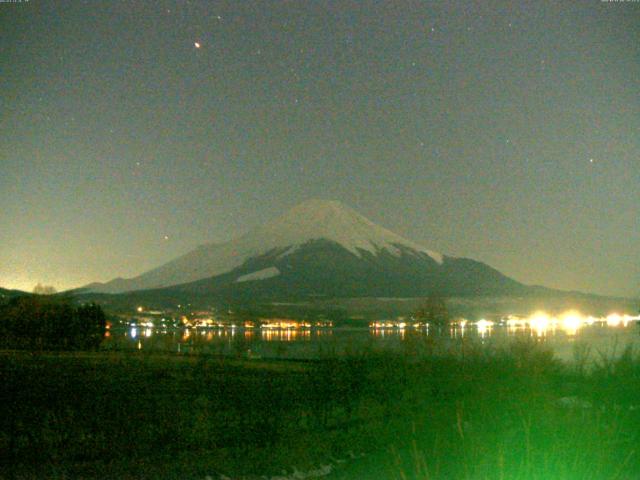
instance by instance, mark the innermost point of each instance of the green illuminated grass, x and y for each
(516, 414)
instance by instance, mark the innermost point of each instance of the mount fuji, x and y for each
(317, 249)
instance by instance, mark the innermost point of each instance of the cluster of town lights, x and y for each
(540, 322)
(570, 321)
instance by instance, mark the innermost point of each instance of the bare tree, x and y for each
(40, 289)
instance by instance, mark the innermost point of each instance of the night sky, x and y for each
(133, 131)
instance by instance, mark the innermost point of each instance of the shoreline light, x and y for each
(571, 322)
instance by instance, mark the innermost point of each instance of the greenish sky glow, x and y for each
(508, 132)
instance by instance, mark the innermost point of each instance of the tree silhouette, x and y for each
(50, 323)
(434, 311)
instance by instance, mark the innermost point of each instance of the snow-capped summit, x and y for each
(333, 221)
(319, 247)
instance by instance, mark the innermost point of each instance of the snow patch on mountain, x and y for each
(259, 275)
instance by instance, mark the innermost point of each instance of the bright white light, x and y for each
(482, 323)
(540, 323)
(571, 321)
(196, 44)
(613, 320)
(483, 326)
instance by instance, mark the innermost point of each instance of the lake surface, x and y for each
(596, 339)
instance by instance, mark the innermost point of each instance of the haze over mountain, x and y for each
(321, 248)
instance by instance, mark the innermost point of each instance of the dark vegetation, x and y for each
(5, 294)
(434, 311)
(39, 322)
(419, 414)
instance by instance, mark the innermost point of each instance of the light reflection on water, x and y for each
(285, 335)
(561, 335)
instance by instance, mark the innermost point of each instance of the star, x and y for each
(591, 160)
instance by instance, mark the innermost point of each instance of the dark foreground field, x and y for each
(514, 414)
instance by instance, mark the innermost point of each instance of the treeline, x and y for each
(49, 323)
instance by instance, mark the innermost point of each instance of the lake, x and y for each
(566, 339)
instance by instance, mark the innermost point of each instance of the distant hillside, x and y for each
(7, 294)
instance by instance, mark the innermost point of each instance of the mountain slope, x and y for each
(323, 268)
